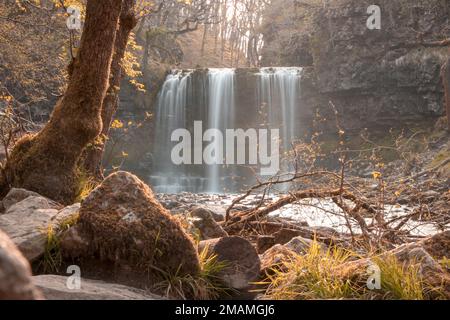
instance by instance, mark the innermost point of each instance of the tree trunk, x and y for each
(47, 162)
(446, 81)
(92, 160)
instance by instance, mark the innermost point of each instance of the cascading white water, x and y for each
(170, 114)
(279, 91)
(221, 105)
(214, 99)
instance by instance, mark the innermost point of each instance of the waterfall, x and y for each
(221, 104)
(279, 91)
(222, 99)
(170, 114)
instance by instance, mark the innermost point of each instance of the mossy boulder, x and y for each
(126, 227)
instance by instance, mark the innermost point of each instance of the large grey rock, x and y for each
(27, 223)
(16, 195)
(15, 273)
(66, 214)
(55, 288)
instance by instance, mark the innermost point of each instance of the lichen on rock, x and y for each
(125, 225)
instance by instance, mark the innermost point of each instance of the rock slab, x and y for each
(55, 287)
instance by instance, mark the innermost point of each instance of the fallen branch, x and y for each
(276, 181)
(245, 216)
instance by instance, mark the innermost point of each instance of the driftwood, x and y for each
(240, 219)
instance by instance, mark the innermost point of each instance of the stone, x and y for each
(206, 211)
(125, 226)
(264, 243)
(55, 287)
(438, 245)
(204, 222)
(16, 195)
(26, 223)
(243, 264)
(300, 245)
(72, 243)
(321, 234)
(66, 213)
(273, 259)
(285, 235)
(15, 273)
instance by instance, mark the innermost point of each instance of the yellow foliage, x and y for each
(376, 175)
(117, 124)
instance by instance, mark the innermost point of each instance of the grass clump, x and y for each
(52, 258)
(310, 276)
(400, 281)
(86, 184)
(316, 275)
(207, 285)
(445, 263)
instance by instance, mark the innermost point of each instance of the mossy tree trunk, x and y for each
(446, 81)
(47, 162)
(92, 159)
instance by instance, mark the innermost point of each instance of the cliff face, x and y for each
(374, 77)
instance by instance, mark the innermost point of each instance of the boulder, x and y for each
(285, 235)
(55, 287)
(68, 213)
(438, 245)
(264, 243)
(26, 223)
(241, 258)
(124, 225)
(72, 243)
(16, 195)
(15, 273)
(300, 245)
(203, 221)
(274, 257)
(201, 212)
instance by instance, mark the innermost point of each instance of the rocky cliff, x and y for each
(376, 78)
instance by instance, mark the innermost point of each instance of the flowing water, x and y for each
(221, 116)
(279, 90)
(212, 97)
(170, 115)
